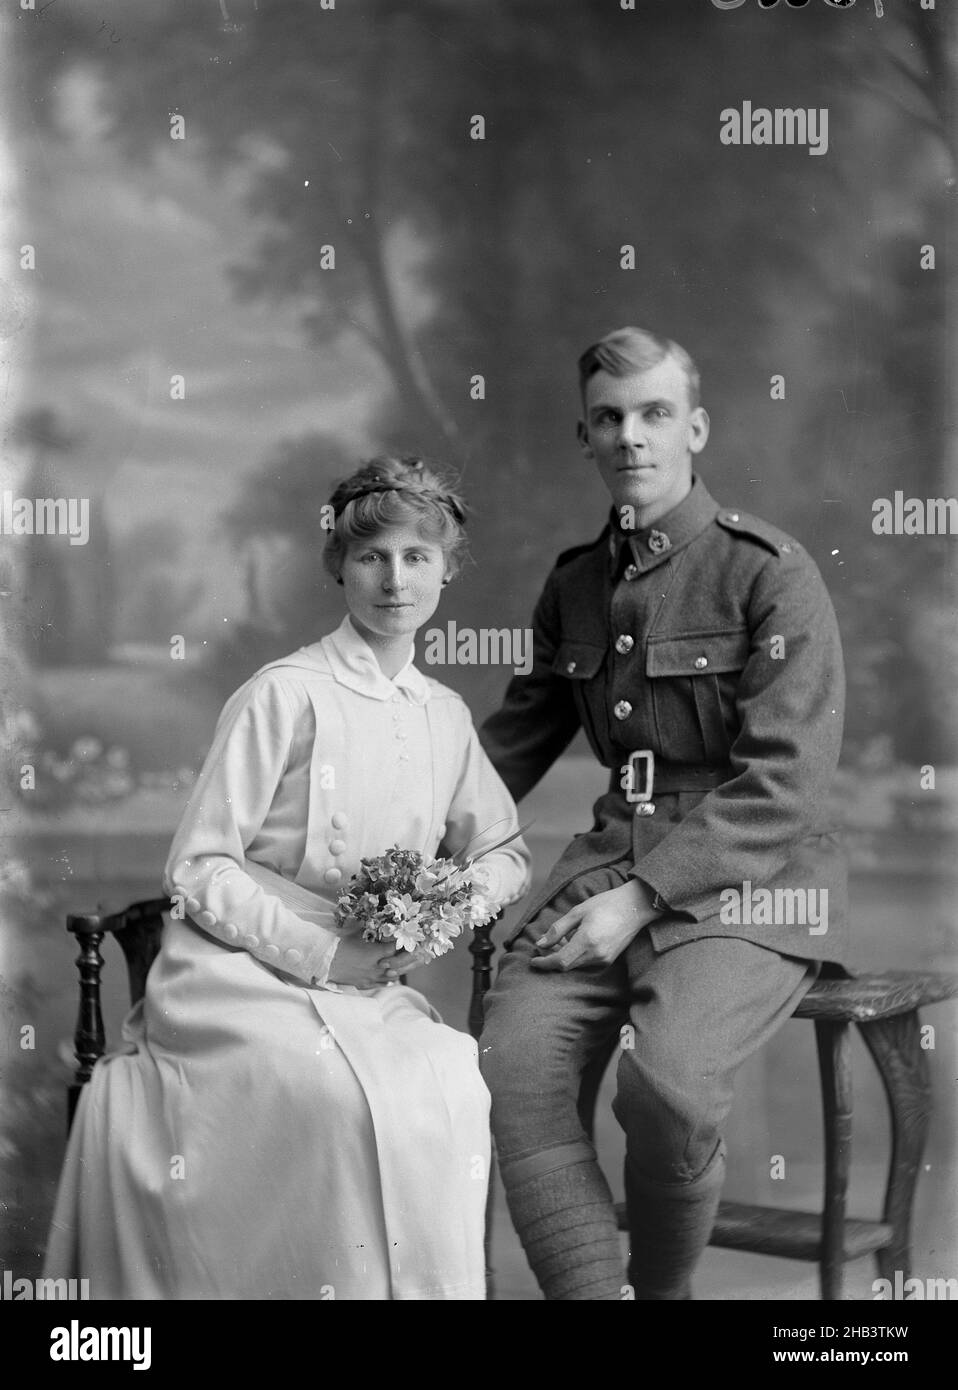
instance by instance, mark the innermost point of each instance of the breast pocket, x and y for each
(582, 663)
(694, 680)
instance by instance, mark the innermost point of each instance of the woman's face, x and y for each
(393, 582)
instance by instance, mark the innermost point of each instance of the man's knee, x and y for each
(533, 1100)
(507, 1051)
(531, 1052)
(672, 1110)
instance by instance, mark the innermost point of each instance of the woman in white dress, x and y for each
(286, 1120)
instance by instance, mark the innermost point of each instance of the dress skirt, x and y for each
(257, 1139)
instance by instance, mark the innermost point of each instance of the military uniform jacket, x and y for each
(709, 639)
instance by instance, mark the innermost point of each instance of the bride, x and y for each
(286, 1121)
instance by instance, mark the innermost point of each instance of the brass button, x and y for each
(645, 808)
(624, 644)
(571, 667)
(251, 941)
(701, 662)
(337, 846)
(231, 931)
(206, 919)
(271, 952)
(622, 710)
(293, 956)
(658, 542)
(631, 572)
(333, 875)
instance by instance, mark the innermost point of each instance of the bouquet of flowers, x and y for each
(420, 905)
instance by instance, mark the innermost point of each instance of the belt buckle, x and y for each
(643, 798)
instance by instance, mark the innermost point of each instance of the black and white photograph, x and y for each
(479, 620)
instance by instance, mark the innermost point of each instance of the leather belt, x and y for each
(644, 775)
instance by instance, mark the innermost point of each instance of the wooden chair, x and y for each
(884, 1008)
(137, 929)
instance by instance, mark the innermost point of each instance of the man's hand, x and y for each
(596, 932)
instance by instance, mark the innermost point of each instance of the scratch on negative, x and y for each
(334, 150)
(879, 9)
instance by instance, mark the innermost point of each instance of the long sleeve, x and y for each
(232, 797)
(483, 812)
(790, 705)
(538, 718)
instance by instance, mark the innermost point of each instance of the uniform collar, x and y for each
(353, 663)
(651, 545)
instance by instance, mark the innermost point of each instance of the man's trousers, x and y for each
(693, 1014)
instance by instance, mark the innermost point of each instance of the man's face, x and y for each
(641, 433)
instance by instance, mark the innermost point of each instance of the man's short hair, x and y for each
(628, 350)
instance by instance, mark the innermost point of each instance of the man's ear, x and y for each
(699, 425)
(582, 434)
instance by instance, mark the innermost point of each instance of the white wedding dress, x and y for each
(264, 1134)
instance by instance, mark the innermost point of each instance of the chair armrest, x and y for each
(89, 1041)
(137, 928)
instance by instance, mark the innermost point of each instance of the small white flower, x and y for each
(481, 910)
(409, 935)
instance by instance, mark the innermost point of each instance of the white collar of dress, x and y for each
(353, 663)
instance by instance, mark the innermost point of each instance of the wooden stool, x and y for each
(885, 1009)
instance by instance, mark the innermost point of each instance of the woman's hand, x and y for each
(368, 964)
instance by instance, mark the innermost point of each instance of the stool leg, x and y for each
(834, 1062)
(895, 1045)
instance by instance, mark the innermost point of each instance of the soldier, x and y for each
(698, 648)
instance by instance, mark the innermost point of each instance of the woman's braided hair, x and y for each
(389, 491)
